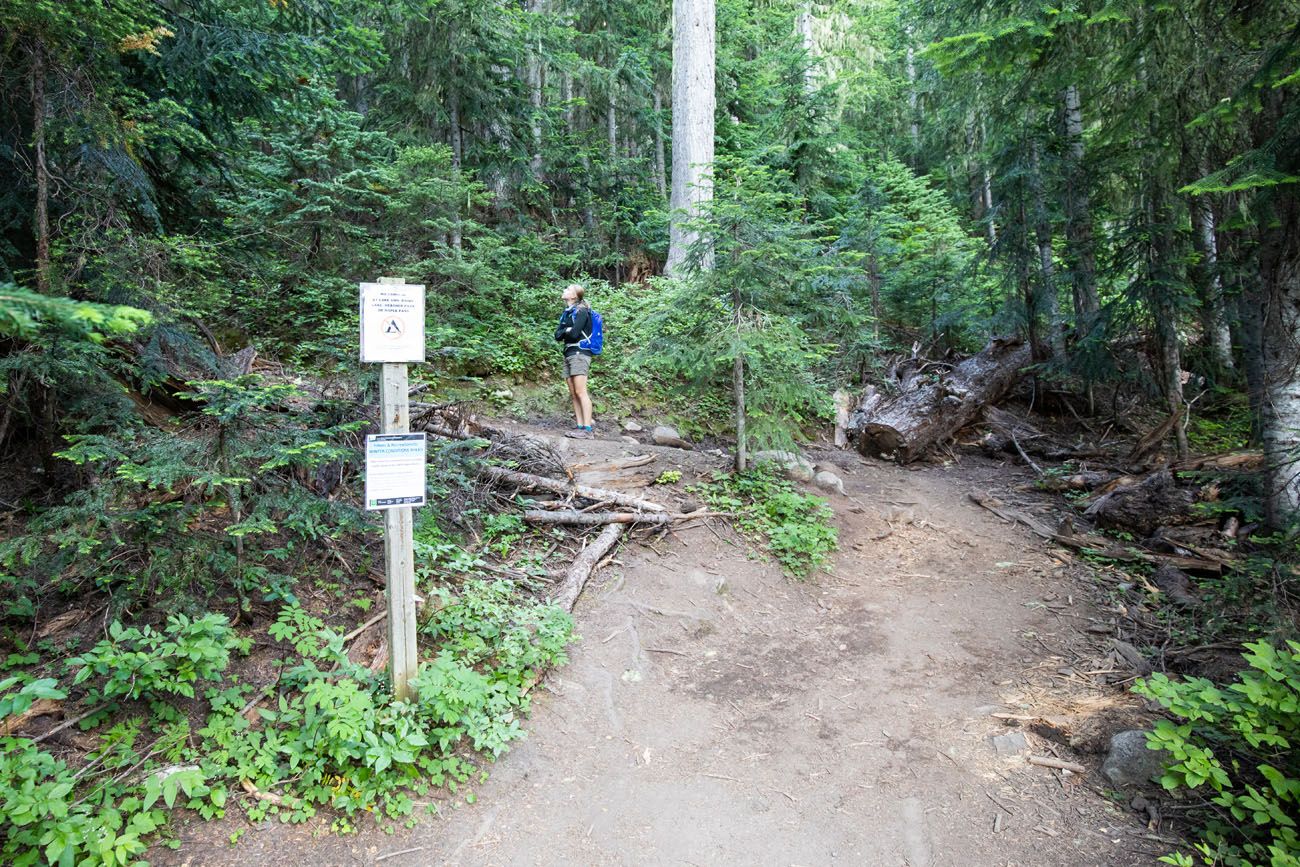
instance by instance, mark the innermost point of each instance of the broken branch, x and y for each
(1059, 764)
(580, 572)
(502, 476)
(595, 519)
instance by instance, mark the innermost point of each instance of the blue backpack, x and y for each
(595, 341)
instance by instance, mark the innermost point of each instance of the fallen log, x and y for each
(1244, 461)
(926, 413)
(1081, 481)
(579, 573)
(595, 519)
(529, 481)
(1099, 545)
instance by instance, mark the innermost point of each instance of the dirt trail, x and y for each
(717, 713)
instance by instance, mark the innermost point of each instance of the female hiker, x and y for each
(575, 332)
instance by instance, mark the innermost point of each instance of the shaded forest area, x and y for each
(1103, 195)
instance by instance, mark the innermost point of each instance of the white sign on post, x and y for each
(392, 322)
(395, 470)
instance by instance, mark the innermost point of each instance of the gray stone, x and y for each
(631, 426)
(828, 481)
(628, 439)
(795, 466)
(1175, 584)
(1012, 744)
(900, 515)
(1131, 656)
(1129, 762)
(666, 435)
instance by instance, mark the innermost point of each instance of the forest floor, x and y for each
(717, 712)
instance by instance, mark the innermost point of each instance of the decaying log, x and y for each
(595, 519)
(1243, 461)
(1152, 441)
(1100, 545)
(528, 480)
(1082, 481)
(41, 707)
(924, 414)
(579, 573)
(1142, 508)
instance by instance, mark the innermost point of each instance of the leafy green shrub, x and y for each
(795, 527)
(41, 823)
(102, 814)
(512, 642)
(1243, 743)
(336, 738)
(144, 663)
(27, 694)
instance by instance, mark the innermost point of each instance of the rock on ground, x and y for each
(795, 466)
(828, 481)
(667, 435)
(1129, 762)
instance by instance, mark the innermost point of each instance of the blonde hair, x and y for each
(579, 292)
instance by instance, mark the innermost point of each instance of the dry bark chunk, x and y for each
(1144, 507)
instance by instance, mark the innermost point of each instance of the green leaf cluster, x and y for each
(795, 528)
(1240, 742)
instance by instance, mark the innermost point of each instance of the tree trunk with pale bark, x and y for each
(1216, 334)
(1081, 258)
(1276, 296)
(41, 217)
(694, 101)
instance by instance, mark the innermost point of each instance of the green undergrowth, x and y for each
(1236, 750)
(794, 528)
(328, 736)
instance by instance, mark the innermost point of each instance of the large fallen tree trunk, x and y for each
(925, 413)
(555, 486)
(566, 595)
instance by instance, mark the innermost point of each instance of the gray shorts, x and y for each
(577, 364)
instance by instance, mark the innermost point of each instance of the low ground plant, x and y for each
(794, 528)
(330, 736)
(1238, 746)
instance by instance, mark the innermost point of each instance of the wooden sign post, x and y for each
(392, 333)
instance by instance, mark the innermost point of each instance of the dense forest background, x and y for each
(1115, 181)
(191, 190)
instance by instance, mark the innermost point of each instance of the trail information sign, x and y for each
(392, 322)
(392, 333)
(395, 470)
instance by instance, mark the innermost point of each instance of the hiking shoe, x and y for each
(578, 433)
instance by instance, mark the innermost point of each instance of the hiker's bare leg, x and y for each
(581, 400)
(577, 404)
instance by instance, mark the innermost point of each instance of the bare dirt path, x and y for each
(716, 712)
